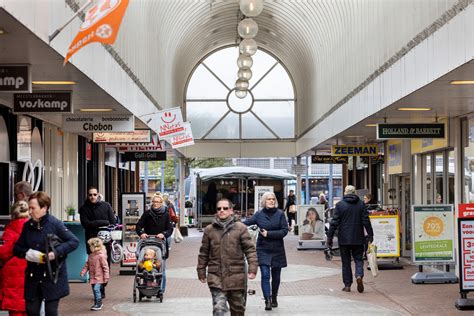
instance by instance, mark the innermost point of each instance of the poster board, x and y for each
(466, 247)
(386, 235)
(132, 207)
(258, 192)
(305, 216)
(433, 233)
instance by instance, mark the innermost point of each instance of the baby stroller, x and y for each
(149, 283)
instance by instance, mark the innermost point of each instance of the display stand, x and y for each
(434, 277)
(466, 256)
(386, 226)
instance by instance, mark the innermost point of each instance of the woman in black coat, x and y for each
(273, 227)
(43, 280)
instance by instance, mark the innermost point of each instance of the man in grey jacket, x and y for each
(225, 245)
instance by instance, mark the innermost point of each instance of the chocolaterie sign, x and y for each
(397, 131)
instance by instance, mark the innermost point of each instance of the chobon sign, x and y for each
(98, 123)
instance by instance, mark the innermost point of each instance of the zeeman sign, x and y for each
(355, 150)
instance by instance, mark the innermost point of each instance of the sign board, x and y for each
(185, 139)
(329, 159)
(397, 131)
(137, 136)
(433, 233)
(143, 156)
(466, 246)
(15, 78)
(386, 235)
(42, 102)
(299, 169)
(355, 150)
(132, 207)
(170, 123)
(98, 123)
(258, 192)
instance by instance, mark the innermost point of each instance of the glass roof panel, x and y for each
(278, 115)
(275, 85)
(252, 128)
(228, 128)
(203, 85)
(224, 64)
(203, 115)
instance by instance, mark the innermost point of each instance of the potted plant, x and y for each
(71, 212)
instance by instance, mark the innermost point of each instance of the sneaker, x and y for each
(346, 289)
(360, 285)
(97, 307)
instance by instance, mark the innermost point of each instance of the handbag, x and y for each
(177, 235)
(372, 259)
(292, 209)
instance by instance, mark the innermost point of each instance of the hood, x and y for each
(351, 198)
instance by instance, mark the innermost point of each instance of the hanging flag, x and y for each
(101, 24)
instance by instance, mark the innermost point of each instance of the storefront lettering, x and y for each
(361, 150)
(12, 81)
(40, 104)
(97, 127)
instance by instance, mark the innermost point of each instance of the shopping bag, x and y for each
(177, 235)
(372, 259)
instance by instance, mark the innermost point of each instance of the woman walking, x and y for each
(46, 275)
(273, 227)
(13, 271)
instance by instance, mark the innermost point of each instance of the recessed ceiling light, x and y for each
(96, 110)
(371, 125)
(462, 82)
(353, 136)
(2, 31)
(53, 82)
(414, 109)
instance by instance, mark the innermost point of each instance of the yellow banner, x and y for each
(355, 150)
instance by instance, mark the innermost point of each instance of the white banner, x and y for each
(170, 123)
(185, 139)
(386, 235)
(137, 136)
(98, 123)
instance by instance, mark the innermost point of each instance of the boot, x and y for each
(274, 300)
(97, 306)
(268, 304)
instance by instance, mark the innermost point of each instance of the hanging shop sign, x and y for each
(185, 139)
(433, 233)
(15, 78)
(355, 150)
(466, 246)
(137, 136)
(299, 169)
(101, 24)
(42, 102)
(98, 123)
(329, 159)
(143, 156)
(386, 235)
(397, 131)
(170, 123)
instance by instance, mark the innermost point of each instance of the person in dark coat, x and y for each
(156, 222)
(291, 200)
(351, 217)
(43, 281)
(225, 246)
(273, 227)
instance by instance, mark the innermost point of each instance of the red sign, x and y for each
(466, 211)
(101, 24)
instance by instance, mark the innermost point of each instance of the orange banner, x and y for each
(101, 24)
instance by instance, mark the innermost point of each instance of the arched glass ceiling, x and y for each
(268, 111)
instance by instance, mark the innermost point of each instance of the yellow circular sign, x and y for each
(433, 226)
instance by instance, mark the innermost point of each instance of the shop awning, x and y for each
(242, 172)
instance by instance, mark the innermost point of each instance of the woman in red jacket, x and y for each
(13, 271)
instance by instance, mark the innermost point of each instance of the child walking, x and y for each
(98, 270)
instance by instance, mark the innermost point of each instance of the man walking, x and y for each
(225, 245)
(350, 218)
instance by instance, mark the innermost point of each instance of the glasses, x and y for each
(92, 194)
(159, 202)
(225, 208)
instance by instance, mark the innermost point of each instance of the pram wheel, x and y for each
(160, 296)
(134, 295)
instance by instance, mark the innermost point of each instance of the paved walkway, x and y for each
(310, 286)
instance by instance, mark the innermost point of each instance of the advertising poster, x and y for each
(259, 190)
(132, 206)
(386, 235)
(433, 233)
(310, 221)
(466, 246)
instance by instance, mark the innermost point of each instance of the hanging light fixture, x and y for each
(247, 28)
(240, 93)
(244, 61)
(244, 74)
(248, 47)
(251, 7)
(241, 84)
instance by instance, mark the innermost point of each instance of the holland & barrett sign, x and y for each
(399, 131)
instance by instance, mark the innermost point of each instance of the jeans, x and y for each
(275, 275)
(97, 290)
(356, 252)
(163, 271)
